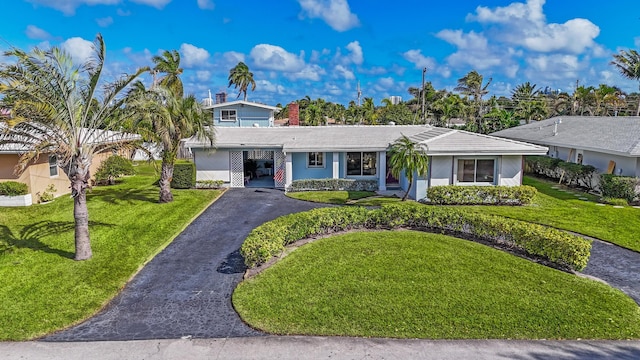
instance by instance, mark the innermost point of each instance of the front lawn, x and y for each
(565, 210)
(410, 284)
(43, 289)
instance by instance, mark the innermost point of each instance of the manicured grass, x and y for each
(566, 211)
(43, 289)
(364, 198)
(417, 285)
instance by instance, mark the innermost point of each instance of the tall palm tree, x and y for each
(473, 85)
(242, 78)
(169, 64)
(164, 118)
(628, 64)
(525, 92)
(63, 109)
(410, 158)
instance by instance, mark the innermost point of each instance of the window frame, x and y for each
(318, 164)
(362, 160)
(53, 166)
(229, 111)
(460, 171)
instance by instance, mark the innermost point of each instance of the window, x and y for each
(361, 163)
(228, 115)
(476, 170)
(315, 159)
(53, 165)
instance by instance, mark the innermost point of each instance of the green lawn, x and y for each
(418, 285)
(364, 198)
(566, 211)
(43, 289)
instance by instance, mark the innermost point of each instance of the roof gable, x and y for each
(242, 103)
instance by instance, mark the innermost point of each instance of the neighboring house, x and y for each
(39, 174)
(610, 144)
(242, 114)
(285, 154)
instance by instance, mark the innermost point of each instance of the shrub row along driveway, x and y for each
(186, 289)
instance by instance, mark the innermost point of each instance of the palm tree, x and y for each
(162, 117)
(408, 157)
(242, 78)
(169, 64)
(628, 64)
(58, 108)
(525, 92)
(473, 85)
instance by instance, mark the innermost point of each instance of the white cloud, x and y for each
(203, 75)
(158, 4)
(342, 72)
(206, 4)
(553, 67)
(273, 57)
(193, 56)
(356, 55)
(121, 12)
(309, 72)
(34, 32)
(233, 56)
(336, 13)
(266, 85)
(68, 7)
(384, 84)
(79, 49)
(420, 61)
(104, 22)
(468, 41)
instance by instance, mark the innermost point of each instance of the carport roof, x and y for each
(439, 141)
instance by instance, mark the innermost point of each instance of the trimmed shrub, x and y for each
(48, 195)
(556, 246)
(184, 175)
(333, 184)
(209, 184)
(112, 168)
(615, 201)
(13, 188)
(481, 195)
(618, 187)
(570, 173)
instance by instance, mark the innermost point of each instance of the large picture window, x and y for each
(228, 115)
(361, 163)
(315, 159)
(476, 170)
(53, 165)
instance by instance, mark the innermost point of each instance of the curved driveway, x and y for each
(185, 291)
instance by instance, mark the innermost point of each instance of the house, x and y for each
(610, 144)
(280, 155)
(43, 172)
(242, 113)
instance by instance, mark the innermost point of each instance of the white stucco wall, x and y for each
(441, 170)
(212, 165)
(628, 165)
(510, 170)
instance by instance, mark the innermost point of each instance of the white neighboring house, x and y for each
(285, 154)
(607, 143)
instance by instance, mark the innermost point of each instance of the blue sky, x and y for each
(323, 48)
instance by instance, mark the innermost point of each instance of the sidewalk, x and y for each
(334, 348)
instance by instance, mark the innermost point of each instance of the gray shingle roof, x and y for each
(611, 135)
(439, 141)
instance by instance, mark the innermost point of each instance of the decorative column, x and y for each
(382, 171)
(336, 165)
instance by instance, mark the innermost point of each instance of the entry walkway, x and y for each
(185, 291)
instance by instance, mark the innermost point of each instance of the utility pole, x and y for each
(359, 93)
(424, 119)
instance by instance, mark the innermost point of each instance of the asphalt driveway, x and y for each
(185, 291)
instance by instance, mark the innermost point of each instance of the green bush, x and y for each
(556, 246)
(618, 187)
(615, 201)
(13, 188)
(48, 195)
(209, 184)
(570, 173)
(184, 175)
(112, 168)
(333, 184)
(481, 195)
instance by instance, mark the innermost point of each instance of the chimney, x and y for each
(294, 114)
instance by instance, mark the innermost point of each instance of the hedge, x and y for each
(619, 187)
(112, 168)
(481, 195)
(569, 173)
(13, 188)
(184, 175)
(333, 184)
(558, 247)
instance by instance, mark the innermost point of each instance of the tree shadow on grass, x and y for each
(30, 236)
(118, 195)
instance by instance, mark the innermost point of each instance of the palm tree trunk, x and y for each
(406, 194)
(166, 175)
(79, 176)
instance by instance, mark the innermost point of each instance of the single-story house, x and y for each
(285, 154)
(610, 144)
(43, 172)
